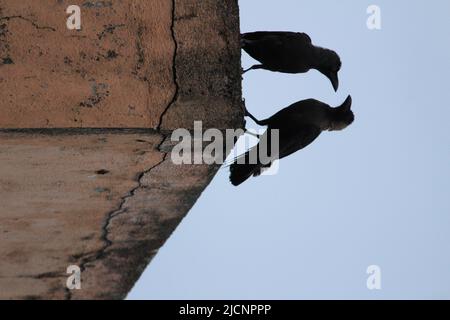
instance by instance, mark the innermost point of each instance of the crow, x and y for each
(298, 126)
(290, 52)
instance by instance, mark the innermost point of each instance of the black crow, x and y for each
(299, 125)
(290, 52)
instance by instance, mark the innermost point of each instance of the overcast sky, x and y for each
(377, 193)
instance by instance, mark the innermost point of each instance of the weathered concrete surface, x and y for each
(207, 34)
(56, 191)
(141, 225)
(106, 207)
(58, 78)
(104, 199)
(123, 68)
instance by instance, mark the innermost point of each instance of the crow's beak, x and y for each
(347, 103)
(333, 76)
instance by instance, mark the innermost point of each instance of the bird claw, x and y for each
(246, 113)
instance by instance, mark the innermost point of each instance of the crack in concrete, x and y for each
(121, 208)
(174, 67)
(107, 243)
(34, 24)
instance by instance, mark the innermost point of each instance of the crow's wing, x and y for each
(294, 113)
(266, 49)
(272, 48)
(290, 140)
(295, 139)
(254, 160)
(261, 35)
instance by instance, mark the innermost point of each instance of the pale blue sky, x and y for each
(377, 193)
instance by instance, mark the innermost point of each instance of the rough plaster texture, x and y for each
(55, 193)
(130, 61)
(93, 185)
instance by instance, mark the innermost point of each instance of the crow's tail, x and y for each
(245, 166)
(239, 173)
(250, 163)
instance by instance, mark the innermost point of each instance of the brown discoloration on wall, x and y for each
(54, 201)
(123, 68)
(115, 72)
(104, 199)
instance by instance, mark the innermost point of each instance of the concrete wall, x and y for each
(85, 177)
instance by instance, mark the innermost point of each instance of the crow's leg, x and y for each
(256, 66)
(248, 114)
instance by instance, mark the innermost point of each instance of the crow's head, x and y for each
(343, 116)
(329, 66)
